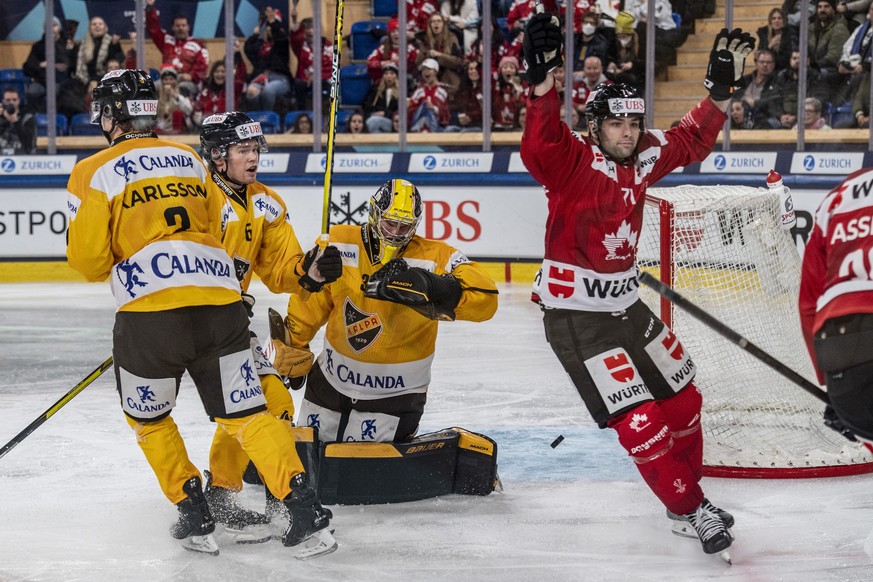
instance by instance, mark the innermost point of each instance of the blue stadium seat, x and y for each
(342, 119)
(365, 38)
(270, 122)
(504, 28)
(42, 124)
(354, 84)
(842, 114)
(383, 8)
(16, 79)
(80, 124)
(292, 116)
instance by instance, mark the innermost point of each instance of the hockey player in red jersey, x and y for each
(630, 370)
(836, 303)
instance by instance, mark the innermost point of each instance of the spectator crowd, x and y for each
(444, 60)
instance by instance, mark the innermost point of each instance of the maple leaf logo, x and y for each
(621, 244)
(639, 422)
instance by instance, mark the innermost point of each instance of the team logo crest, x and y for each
(125, 168)
(621, 244)
(241, 267)
(362, 328)
(128, 273)
(619, 367)
(639, 422)
(368, 429)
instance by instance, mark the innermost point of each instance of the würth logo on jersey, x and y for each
(621, 244)
(558, 275)
(362, 328)
(619, 367)
(674, 348)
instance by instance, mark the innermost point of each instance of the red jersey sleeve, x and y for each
(812, 284)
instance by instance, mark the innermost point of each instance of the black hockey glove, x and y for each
(433, 296)
(320, 269)
(833, 422)
(726, 61)
(541, 47)
(249, 304)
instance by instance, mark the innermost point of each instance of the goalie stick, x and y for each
(56, 406)
(714, 324)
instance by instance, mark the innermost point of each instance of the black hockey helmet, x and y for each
(615, 100)
(124, 94)
(222, 130)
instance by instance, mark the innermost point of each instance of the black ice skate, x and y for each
(243, 525)
(195, 524)
(681, 527)
(710, 529)
(309, 521)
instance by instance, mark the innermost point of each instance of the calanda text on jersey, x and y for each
(373, 348)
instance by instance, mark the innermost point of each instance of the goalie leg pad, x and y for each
(449, 461)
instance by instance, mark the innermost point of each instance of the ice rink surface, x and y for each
(78, 501)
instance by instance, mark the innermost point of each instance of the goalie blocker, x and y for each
(453, 460)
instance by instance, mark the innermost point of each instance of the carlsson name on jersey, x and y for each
(347, 375)
(151, 192)
(362, 328)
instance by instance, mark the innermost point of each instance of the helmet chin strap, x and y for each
(108, 134)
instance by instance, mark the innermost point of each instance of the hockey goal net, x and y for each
(724, 248)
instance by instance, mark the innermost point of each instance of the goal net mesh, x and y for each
(724, 249)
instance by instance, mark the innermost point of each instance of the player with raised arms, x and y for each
(630, 370)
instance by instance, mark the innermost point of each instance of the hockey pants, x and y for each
(227, 459)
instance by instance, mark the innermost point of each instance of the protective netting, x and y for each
(728, 253)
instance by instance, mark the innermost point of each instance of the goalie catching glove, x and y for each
(726, 61)
(317, 268)
(292, 364)
(433, 296)
(541, 47)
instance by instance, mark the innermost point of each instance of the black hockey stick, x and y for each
(723, 330)
(56, 406)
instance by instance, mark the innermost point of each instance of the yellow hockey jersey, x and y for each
(374, 348)
(257, 234)
(139, 213)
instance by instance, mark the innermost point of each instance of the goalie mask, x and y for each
(395, 212)
(222, 130)
(618, 100)
(125, 95)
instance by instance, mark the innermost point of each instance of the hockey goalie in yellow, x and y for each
(369, 384)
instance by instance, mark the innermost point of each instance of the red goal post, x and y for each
(724, 249)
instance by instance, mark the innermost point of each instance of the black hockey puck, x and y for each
(558, 441)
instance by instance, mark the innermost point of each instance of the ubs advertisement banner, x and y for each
(500, 223)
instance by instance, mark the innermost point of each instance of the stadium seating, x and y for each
(80, 124)
(42, 124)
(342, 119)
(292, 116)
(16, 79)
(842, 114)
(354, 84)
(365, 38)
(383, 8)
(269, 120)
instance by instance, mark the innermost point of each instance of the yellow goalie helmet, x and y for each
(395, 212)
